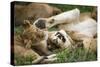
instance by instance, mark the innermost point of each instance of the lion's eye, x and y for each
(59, 36)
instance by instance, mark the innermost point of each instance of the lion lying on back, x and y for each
(79, 26)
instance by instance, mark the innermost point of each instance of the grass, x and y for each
(66, 55)
(65, 7)
(23, 60)
(75, 55)
(18, 30)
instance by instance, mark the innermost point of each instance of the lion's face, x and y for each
(58, 38)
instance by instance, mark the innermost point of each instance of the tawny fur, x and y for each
(32, 38)
(20, 50)
(35, 37)
(33, 11)
(90, 44)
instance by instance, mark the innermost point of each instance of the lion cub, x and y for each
(35, 38)
(32, 42)
(19, 50)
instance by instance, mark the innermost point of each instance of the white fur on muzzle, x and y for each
(58, 36)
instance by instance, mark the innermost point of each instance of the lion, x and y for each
(35, 37)
(80, 26)
(32, 42)
(33, 11)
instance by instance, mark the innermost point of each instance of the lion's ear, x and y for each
(26, 23)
